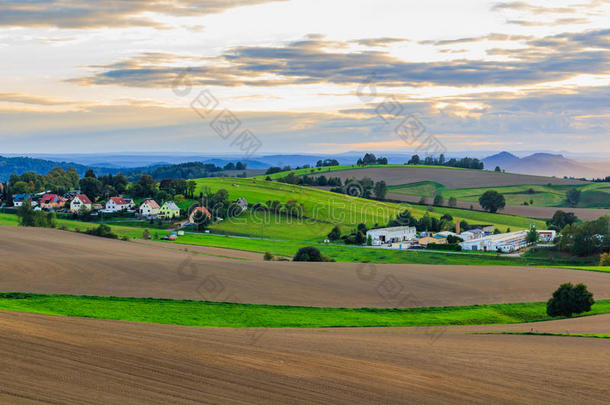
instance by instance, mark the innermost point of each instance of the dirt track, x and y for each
(451, 179)
(71, 361)
(53, 261)
(587, 214)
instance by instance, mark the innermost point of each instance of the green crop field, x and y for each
(595, 195)
(324, 209)
(219, 314)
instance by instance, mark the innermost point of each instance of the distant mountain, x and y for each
(541, 164)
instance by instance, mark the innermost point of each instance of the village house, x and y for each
(547, 235)
(243, 203)
(393, 234)
(169, 210)
(116, 204)
(193, 214)
(149, 208)
(80, 201)
(52, 202)
(20, 199)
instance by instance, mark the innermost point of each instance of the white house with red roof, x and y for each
(116, 204)
(80, 201)
(149, 208)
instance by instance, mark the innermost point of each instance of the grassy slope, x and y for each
(329, 208)
(593, 195)
(330, 169)
(215, 314)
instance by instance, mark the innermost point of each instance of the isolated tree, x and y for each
(569, 299)
(146, 234)
(381, 189)
(268, 256)
(438, 200)
(561, 219)
(532, 236)
(452, 202)
(492, 201)
(497, 169)
(573, 197)
(335, 233)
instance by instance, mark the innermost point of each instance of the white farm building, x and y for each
(504, 242)
(394, 234)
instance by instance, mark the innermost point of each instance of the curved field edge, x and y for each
(583, 335)
(232, 315)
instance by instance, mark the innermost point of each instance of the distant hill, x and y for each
(20, 165)
(541, 164)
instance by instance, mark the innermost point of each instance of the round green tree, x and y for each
(570, 299)
(492, 201)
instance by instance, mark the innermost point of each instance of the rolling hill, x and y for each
(324, 209)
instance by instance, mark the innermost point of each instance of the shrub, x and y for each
(311, 254)
(268, 256)
(569, 299)
(444, 246)
(146, 234)
(103, 231)
(604, 259)
(335, 234)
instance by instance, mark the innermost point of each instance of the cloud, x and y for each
(314, 60)
(34, 100)
(96, 14)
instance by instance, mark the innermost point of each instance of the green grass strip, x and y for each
(221, 314)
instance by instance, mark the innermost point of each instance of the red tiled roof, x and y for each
(84, 199)
(119, 200)
(202, 209)
(51, 198)
(153, 204)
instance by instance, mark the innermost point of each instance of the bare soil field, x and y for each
(53, 261)
(450, 178)
(47, 359)
(587, 214)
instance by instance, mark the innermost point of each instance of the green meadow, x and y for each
(222, 314)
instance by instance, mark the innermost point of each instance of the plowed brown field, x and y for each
(47, 359)
(450, 178)
(53, 261)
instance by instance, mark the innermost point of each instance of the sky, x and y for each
(303, 76)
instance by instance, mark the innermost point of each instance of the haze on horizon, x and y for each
(88, 77)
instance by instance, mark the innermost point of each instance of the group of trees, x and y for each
(466, 163)
(327, 163)
(586, 238)
(426, 223)
(56, 180)
(371, 159)
(28, 217)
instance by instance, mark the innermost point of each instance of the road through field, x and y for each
(47, 359)
(53, 261)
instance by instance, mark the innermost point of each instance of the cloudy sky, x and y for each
(302, 76)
